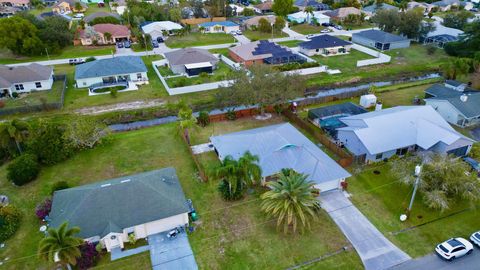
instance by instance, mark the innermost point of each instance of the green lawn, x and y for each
(290, 43)
(346, 63)
(37, 97)
(230, 235)
(307, 29)
(364, 25)
(7, 57)
(76, 98)
(405, 62)
(94, 8)
(383, 206)
(257, 35)
(221, 73)
(199, 39)
(136, 47)
(222, 51)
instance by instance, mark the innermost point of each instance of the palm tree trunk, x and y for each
(187, 136)
(18, 147)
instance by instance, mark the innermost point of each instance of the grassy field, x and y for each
(222, 51)
(6, 57)
(346, 63)
(412, 61)
(78, 98)
(257, 35)
(198, 39)
(383, 200)
(307, 29)
(37, 97)
(290, 43)
(230, 235)
(221, 73)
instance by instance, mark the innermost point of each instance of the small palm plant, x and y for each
(291, 201)
(61, 244)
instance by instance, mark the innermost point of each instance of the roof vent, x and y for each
(464, 98)
(106, 185)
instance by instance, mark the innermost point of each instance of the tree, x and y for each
(469, 42)
(107, 36)
(23, 169)
(309, 10)
(10, 218)
(55, 33)
(261, 85)
(61, 243)
(387, 20)
(49, 143)
(16, 131)
(443, 179)
(264, 25)
(77, 7)
(282, 7)
(291, 201)
(85, 132)
(175, 14)
(410, 23)
(106, 19)
(456, 67)
(279, 24)
(186, 119)
(248, 12)
(457, 20)
(20, 36)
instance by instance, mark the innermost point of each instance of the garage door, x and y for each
(326, 186)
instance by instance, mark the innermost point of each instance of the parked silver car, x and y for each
(454, 248)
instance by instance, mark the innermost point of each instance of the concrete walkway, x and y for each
(242, 39)
(117, 253)
(375, 251)
(292, 33)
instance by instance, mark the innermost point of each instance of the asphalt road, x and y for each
(469, 262)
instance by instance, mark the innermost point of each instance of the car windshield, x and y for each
(454, 243)
(477, 235)
(443, 248)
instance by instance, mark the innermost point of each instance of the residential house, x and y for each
(97, 34)
(380, 40)
(426, 7)
(446, 5)
(237, 10)
(263, 52)
(119, 6)
(263, 8)
(219, 27)
(88, 19)
(112, 212)
(191, 61)
(69, 6)
(302, 4)
(252, 23)
(116, 70)
(381, 134)
(280, 147)
(22, 4)
(441, 35)
(340, 14)
(160, 29)
(325, 45)
(305, 17)
(327, 117)
(24, 79)
(455, 102)
(372, 9)
(6, 12)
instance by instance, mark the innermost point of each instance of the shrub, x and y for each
(15, 95)
(114, 92)
(231, 115)
(89, 256)
(9, 221)
(203, 75)
(23, 169)
(43, 209)
(229, 194)
(431, 49)
(90, 59)
(49, 143)
(59, 186)
(203, 119)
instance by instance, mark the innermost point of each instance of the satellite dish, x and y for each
(403, 217)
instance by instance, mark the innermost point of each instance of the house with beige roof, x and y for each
(68, 6)
(24, 79)
(340, 14)
(98, 34)
(254, 21)
(23, 4)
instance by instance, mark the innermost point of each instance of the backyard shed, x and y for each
(367, 101)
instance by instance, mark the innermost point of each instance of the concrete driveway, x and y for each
(242, 39)
(375, 251)
(171, 254)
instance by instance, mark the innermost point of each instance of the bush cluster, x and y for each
(9, 221)
(23, 169)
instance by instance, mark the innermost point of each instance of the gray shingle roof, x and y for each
(21, 74)
(116, 204)
(469, 108)
(323, 41)
(281, 146)
(189, 56)
(111, 66)
(374, 8)
(380, 36)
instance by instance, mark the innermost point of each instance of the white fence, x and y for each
(380, 58)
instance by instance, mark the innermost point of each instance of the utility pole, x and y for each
(418, 170)
(48, 56)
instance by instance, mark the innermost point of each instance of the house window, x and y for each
(139, 76)
(379, 156)
(316, 50)
(402, 151)
(19, 87)
(38, 85)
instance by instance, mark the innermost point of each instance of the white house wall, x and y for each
(82, 83)
(351, 142)
(162, 225)
(330, 185)
(445, 109)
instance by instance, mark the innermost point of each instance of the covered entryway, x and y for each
(197, 68)
(330, 185)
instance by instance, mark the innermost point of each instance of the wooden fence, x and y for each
(202, 20)
(238, 114)
(346, 159)
(199, 166)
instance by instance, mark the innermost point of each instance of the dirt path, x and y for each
(120, 107)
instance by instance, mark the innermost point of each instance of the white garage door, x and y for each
(326, 186)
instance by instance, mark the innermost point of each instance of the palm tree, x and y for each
(251, 173)
(107, 36)
(186, 118)
(309, 10)
(61, 244)
(291, 201)
(15, 130)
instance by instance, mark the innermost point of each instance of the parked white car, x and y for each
(79, 15)
(475, 238)
(310, 36)
(325, 31)
(454, 248)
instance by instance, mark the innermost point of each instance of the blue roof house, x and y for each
(117, 70)
(219, 27)
(380, 40)
(325, 45)
(279, 147)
